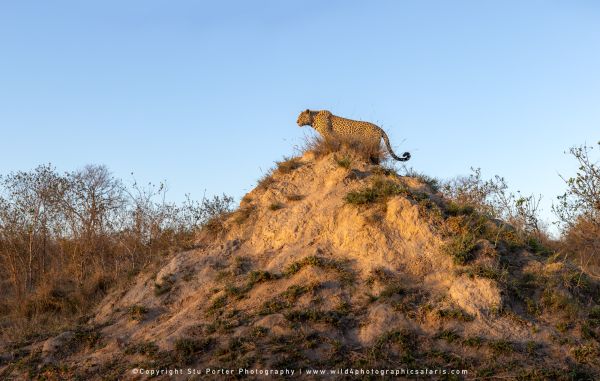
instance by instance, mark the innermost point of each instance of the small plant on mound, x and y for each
(345, 275)
(489, 272)
(275, 206)
(379, 274)
(288, 298)
(259, 276)
(165, 286)
(501, 347)
(288, 165)
(266, 180)
(455, 313)
(254, 277)
(555, 300)
(475, 341)
(217, 305)
(294, 197)
(146, 348)
(186, 349)
(432, 182)
(242, 214)
(594, 314)
(404, 339)
(450, 335)
(314, 316)
(391, 290)
(461, 248)
(137, 312)
(379, 191)
(456, 209)
(344, 162)
(384, 170)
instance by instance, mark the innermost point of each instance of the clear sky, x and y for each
(205, 95)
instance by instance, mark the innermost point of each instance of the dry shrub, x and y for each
(288, 165)
(66, 239)
(578, 211)
(367, 152)
(266, 180)
(581, 243)
(57, 297)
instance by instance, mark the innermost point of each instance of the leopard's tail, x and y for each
(405, 155)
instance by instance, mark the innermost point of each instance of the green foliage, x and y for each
(554, 300)
(186, 349)
(492, 199)
(315, 316)
(379, 191)
(450, 335)
(137, 312)
(217, 304)
(146, 348)
(274, 306)
(456, 209)
(501, 347)
(433, 183)
(344, 275)
(474, 341)
(259, 276)
(164, 286)
(563, 326)
(461, 248)
(455, 313)
(485, 271)
(392, 289)
(594, 313)
(585, 353)
(404, 339)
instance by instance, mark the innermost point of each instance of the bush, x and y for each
(80, 233)
(288, 165)
(461, 248)
(491, 198)
(578, 211)
(137, 312)
(368, 153)
(186, 349)
(379, 191)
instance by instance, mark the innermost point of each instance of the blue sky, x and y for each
(205, 94)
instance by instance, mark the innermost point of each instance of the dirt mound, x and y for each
(332, 263)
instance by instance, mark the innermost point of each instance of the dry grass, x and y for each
(368, 153)
(266, 180)
(581, 243)
(288, 165)
(379, 191)
(294, 197)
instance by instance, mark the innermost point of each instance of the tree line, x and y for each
(65, 237)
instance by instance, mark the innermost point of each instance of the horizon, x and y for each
(205, 97)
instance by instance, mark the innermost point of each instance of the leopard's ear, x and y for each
(307, 111)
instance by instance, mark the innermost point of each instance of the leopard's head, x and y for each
(304, 119)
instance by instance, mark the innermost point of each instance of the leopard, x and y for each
(332, 127)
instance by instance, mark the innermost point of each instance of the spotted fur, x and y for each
(335, 127)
